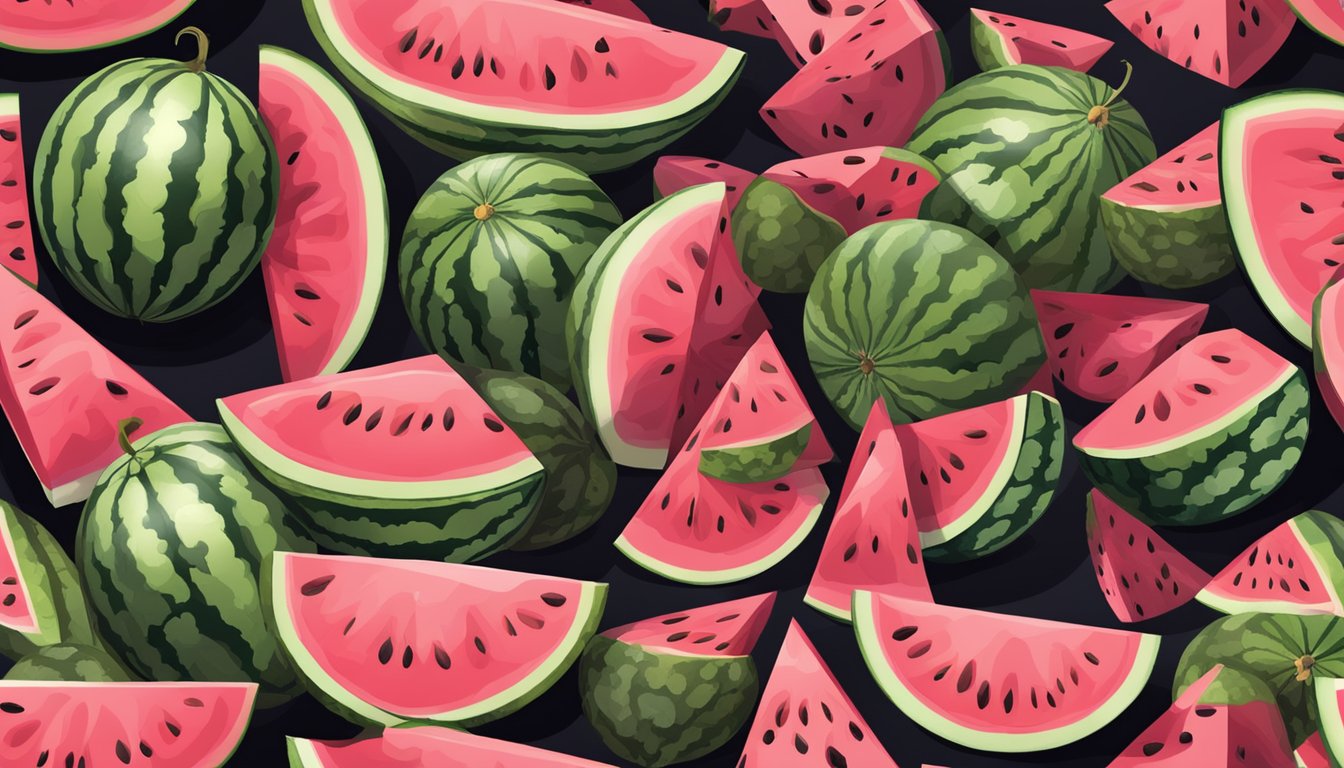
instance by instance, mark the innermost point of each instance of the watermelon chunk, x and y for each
(995, 682)
(426, 746)
(51, 368)
(1325, 17)
(1327, 331)
(16, 244)
(749, 17)
(806, 28)
(384, 641)
(673, 173)
(1002, 40)
(78, 26)
(1100, 345)
(1312, 754)
(1141, 575)
(1295, 568)
(623, 8)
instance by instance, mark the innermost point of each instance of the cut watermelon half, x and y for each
(859, 187)
(78, 26)
(623, 8)
(787, 731)
(1295, 568)
(750, 17)
(1327, 343)
(1141, 575)
(325, 262)
(995, 682)
(147, 725)
(387, 641)
(1001, 40)
(1325, 17)
(1312, 754)
(673, 173)
(1224, 40)
(426, 746)
(1100, 345)
(721, 629)
(1280, 185)
(51, 368)
(16, 245)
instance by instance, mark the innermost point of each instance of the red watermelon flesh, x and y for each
(805, 28)
(673, 173)
(1223, 40)
(143, 725)
(1183, 179)
(1026, 41)
(1141, 575)
(843, 99)
(805, 719)
(76, 25)
(1312, 754)
(1099, 345)
(1328, 345)
(623, 8)
(16, 605)
(1043, 381)
(722, 629)
(859, 187)
(1292, 569)
(429, 746)
(53, 369)
(877, 424)
(1325, 17)
(750, 17)
(16, 244)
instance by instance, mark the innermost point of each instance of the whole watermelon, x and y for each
(490, 257)
(171, 547)
(1026, 153)
(155, 188)
(925, 315)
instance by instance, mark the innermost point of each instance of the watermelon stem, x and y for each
(484, 211)
(1304, 665)
(866, 364)
(1100, 115)
(202, 47)
(124, 429)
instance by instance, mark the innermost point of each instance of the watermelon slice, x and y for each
(806, 28)
(325, 262)
(1312, 754)
(787, 732)
(1325, 17)
(1001, 40)
(16, 246)
(673, 173)
(1206, 435)
(421, 641)
(623, 8)
(1224, 40)
(426, 746)
(595, 90)
(145, 725)
(1295, 568)
(1327, 332)
(995, 682)
(1141, 575)
(1100, 345)
(749, 17)
(721, 629)
(78, 26)
(51, 368)
(41, 600)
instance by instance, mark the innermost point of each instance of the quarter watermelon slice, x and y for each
(426, 746)
(623, 8)
(805, 720)
(77, 25)
(1001, 40)
(1100, 345)
(595, 90)
(1325, 17)
(1327, 334)
(145, 725)
(16, 244)
(325, 261)
(403, 459)
(1141, 575)
(995, 682)
(1295, 568)
(1224, 40)
(1206, 435)
(673, 173)
(51, 368)
(386, 641)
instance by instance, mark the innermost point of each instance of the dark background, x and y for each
(1046, 573)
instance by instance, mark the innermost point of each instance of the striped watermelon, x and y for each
(425, 746)
(1295, 568)
(79, 26)
(69, 662)
(16, 242)
(171, 547)
(41, 601)
(1077, 137)
(180, 217)
(957, 328)
(490, 257)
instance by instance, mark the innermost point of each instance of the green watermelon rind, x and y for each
(1176, 249)
(781, 240)
(69, 662)
(1330, 716)
(51, 582)
(988, 47)
(94, 44)
(1320, 537)
(302, 754)
(756, 463)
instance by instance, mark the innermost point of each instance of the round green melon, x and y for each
(69, 662)
(782, 241)
(155, 188)
(924, 315)
(171, 547)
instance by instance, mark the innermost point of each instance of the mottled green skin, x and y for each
(941, 318)
(657, 709)
(781, 240)
(987, 46)
(1218, 476)
(756, 463)
(494, 292)
(68, 662)
(54, 591)
(1171, 249)
(1028, 492)
(1024, 169)
(171, 547)
(155, 189)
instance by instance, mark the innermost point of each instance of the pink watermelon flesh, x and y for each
(16, 244)
(16, 607)
(1312, 753)
(860, 187)
(806, 720)
(722, 629)
(142, 725)
(805, 28)
(673, 173)
(75, 25)
(51, 369)
(1043, 382)
(877, 424)
(843, 98)
(1186, 178)
(1223, 40)
(1329, 348)
(1279, 573)
(1099, 345)
(750, 17)
(1141, 575)
(1049, 45)
(623, 8)
(430, 746)
(1198, 385)
(1325, 17)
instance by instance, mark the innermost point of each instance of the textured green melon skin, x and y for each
(756, 463)
(54, 591)
(1170, 249)
(657, 709)
(781, 240)
(171, 547)
(1218, 476)
(68, 662)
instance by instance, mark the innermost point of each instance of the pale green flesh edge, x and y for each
(1228, 604)
(870, 645)
(7, 537)
(1330, 718)
(835, 612)
(302, 753)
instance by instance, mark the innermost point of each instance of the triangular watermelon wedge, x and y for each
(1002, 40)
(859, 187)
(1295, 568)
(673, 173)
(426, 746)
(16, 244)
(722, 629)
(806, 28)
(65, 394)
(1141, 575)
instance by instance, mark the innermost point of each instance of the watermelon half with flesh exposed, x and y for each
(386, 641)
(77, 25)
(1281, 174)
(16, 244)
(1327, 344)
(623, 8)
(1295, 568)
(1325, 17)
(325, 262)
(51, 368)
(995, 682)
(1001, 40)
(1100, 345)
(426, 746)
(144, 725)
(1140, 574)
(673, 173)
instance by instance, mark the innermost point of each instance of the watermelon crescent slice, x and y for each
(79, 26)
(16, 247)
(1295, 568)
(1325, 17)
(1327, 336)
(426, 746)
(1330, 705)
